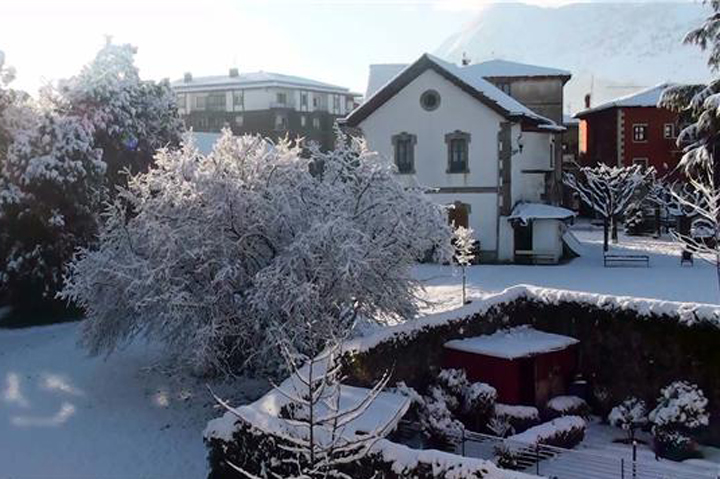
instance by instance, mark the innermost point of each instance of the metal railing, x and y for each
(560, 463)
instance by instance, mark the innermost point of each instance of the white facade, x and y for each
(480, 187)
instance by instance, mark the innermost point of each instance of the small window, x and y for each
(458, 146)
(669, 131)
(239, 120)
(316, 102)
(303, 121)
(641, 161)
(282, 98)
(304, 99)
(404, 145)
(316, 123)
(639, 133)
(336, 104)
(238, 99)
(280, 122)
(180, 99)
(430, 100)
(200, 102)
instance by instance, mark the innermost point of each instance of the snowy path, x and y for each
(665, 279)
(64, 415)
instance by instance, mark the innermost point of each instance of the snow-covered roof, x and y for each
(514, 343)
(382, 73)
(253, 79)
(463, 77)
(644, 98)
(505, 68)
(539, 211)
(570, 120)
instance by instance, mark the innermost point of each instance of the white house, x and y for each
(476, 149)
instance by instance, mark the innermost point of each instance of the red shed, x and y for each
(525, 365)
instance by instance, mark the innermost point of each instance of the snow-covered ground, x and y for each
(665, 279)
(65, 415)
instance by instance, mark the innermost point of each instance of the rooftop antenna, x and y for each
(465, 59)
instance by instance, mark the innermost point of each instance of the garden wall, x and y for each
(627, 346)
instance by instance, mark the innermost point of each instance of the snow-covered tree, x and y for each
(131, 118)
(50, 192)
(464, 243)
(608, 190)
(629, 415)
(212, 254)
(316, 419)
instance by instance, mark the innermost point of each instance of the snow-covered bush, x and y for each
(210, 254)
(629, 415)
(681, 406)
(520, 418)
(51, 185)
(680, 412)
(464, 244)
(565, 431)
(500, 426)
(567, 406)
(472, 403)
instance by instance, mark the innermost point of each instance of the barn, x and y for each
(525, 365)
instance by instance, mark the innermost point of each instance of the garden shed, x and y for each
(525, 365)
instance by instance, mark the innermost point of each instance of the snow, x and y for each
(381, 74)
(518, 412)
(513, 343)
(539, 211)
(254, 80)
(480, 85)
(541, 432)
(264, 412)
(563, 404)
(644, 98)
(66, 415)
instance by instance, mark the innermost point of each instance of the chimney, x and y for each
(234, 72)
(187, 78)
(587, 100)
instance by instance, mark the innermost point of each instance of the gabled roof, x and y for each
(253, 79)
(644, 98)
(382, 73)
(539, 211)
(505, 68)
(477, 87)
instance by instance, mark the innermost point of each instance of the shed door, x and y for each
(527, 381)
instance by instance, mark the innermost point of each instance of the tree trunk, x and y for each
(606, 230)
(615, 229)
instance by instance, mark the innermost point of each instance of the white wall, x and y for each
(546, 237)
(457, 111)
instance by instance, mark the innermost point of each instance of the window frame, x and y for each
(411, 141)
(671, 134)
(241, 95)
(644, 127)
(425, 95)
(642, 161)
(458, 135)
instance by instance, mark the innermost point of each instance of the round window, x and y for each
(430, 100)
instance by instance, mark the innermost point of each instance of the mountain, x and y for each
(612, 49)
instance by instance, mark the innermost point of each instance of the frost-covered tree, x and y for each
(210, 253)
(629, 415)
(464, 243)
(50, 192)
(608, 190)
(130, 118)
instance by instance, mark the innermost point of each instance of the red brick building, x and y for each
(630, 130)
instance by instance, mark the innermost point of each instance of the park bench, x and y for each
(611, 260)
(535, 257)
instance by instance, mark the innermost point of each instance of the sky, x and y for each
(327, 40)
